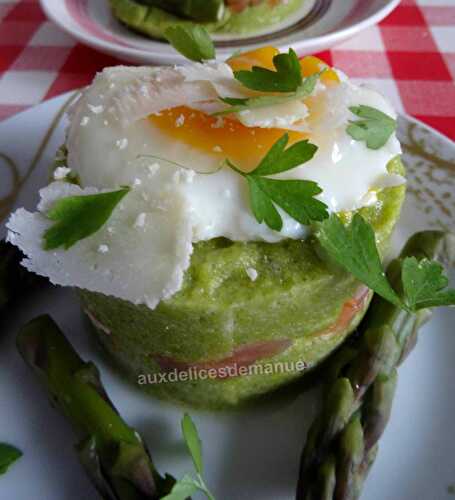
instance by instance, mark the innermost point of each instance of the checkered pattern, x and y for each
(410, 57)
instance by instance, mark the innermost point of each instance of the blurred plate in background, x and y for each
(316, 26)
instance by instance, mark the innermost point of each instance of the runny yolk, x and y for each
(228, 138)
(262, 57)
(221, 137)
(311, 65)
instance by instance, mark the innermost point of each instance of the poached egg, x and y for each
(153, 129)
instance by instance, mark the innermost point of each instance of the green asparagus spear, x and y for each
(361, 380)
(334, 417)
(112, 453)
(351, 452)
(377, 407)
(15, 280)
(197, 10)
(327, 479)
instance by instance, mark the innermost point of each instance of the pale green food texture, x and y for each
(260, 16)
(153, 21)
(297, 295)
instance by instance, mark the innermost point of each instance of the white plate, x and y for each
(319, 24)
(249, 455)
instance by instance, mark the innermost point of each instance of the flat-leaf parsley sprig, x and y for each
(354, 248)
(296, 197)
(286, 78)
(77, 217)
(374, 126)
(189, 485)
(195, 44)
(192, 41)
(241, 104)
(425, 284)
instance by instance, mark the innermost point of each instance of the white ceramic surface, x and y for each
(249, 455)
(329, 22)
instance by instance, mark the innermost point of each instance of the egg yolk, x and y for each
(220, 136)
(311, 65)
(228, 138)
(264, 57)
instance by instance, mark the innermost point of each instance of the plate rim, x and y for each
(141, 55)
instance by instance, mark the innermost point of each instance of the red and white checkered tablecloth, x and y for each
(410, 57)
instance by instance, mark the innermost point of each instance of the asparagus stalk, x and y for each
(197, 10)
(351, 454)
(360, 386)
(15, 280)
(112, 453)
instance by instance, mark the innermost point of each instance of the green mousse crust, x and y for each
(153, 21)
(298, 297)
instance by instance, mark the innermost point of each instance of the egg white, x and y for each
(107, 153)
(181, 195)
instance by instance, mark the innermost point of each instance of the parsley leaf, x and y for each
(192, 41)
(294, 196)
(188, 485)
(375, 127)
(192, 441)
(78, 217)
(8, 455)
(263, 208)
(286, 78)
(424, 284)
(183, 489)
(354, 248)
(263, 101)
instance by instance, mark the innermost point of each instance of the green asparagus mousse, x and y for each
(279, 326)
(199, 210)
(242, 274)
(152, 17)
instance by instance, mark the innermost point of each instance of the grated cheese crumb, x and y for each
(180, 121)
(252, 273)
(122, 143)
(153, 168)
(219, 123)
(140, 220)
(103, 249)
(188, 176)
(96, 109)
(217, 149)
(61, 172)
